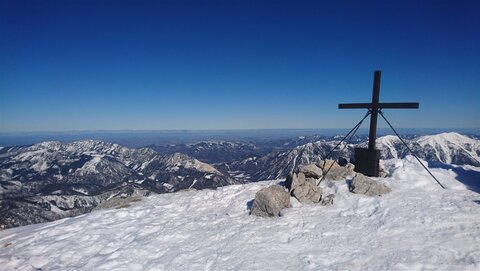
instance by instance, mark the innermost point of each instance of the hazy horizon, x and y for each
(142, 138)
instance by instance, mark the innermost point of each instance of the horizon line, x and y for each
(219, 130)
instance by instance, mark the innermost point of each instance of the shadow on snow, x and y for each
(468, 177)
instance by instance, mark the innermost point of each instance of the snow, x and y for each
(193, 183)
(447, 143)
(81, 191)
(145, 164)
(388, 142)
(167, 185)
(418, 226)
(91, 166)
(40, 166)
(29, 155)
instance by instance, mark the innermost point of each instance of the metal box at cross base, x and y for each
(367, 161)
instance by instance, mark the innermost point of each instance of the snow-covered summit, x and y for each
(177, 160)
(450, 148)
(418, 226)
(448, 137)
(447, 145)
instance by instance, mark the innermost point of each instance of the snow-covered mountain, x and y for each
(450, 148)
(417, 226)
(51, 180)
(215, 151)
(278, 164)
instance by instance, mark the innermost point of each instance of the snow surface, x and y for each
(91, 166)
(418, 226)
(446, 143)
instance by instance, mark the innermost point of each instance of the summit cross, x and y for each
(367, 160)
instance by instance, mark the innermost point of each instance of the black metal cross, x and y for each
(366, 160)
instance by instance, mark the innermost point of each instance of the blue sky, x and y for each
(116, 65)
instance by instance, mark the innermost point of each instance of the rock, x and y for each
(361, 184)
(338, 174)
(311, 180)
(326, 164)
(311, 171)
(335, 171)
(307, 193)
(270, 201)
(300, 180)
(327, 200)
(293, 180)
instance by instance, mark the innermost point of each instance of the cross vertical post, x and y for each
(372, 135)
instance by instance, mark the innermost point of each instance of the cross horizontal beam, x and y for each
(379, 105)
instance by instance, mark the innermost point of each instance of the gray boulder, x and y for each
(311, 180)
(301, 179)
(335, 171)
(325, 164)
(270, 201)
(361, 184)
(293, 180)
(307, 193)
(311, 171)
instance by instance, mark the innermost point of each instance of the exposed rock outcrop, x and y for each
(361, 184)
(311, 171)
(307, 193)
(335, 171)
(303, 184)
(270, 201)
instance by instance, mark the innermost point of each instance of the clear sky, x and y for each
(108, 65)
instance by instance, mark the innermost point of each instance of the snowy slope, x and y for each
(418, 226)
(450, 148)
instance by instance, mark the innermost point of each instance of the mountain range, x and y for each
(52, 180)
(449, 148)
